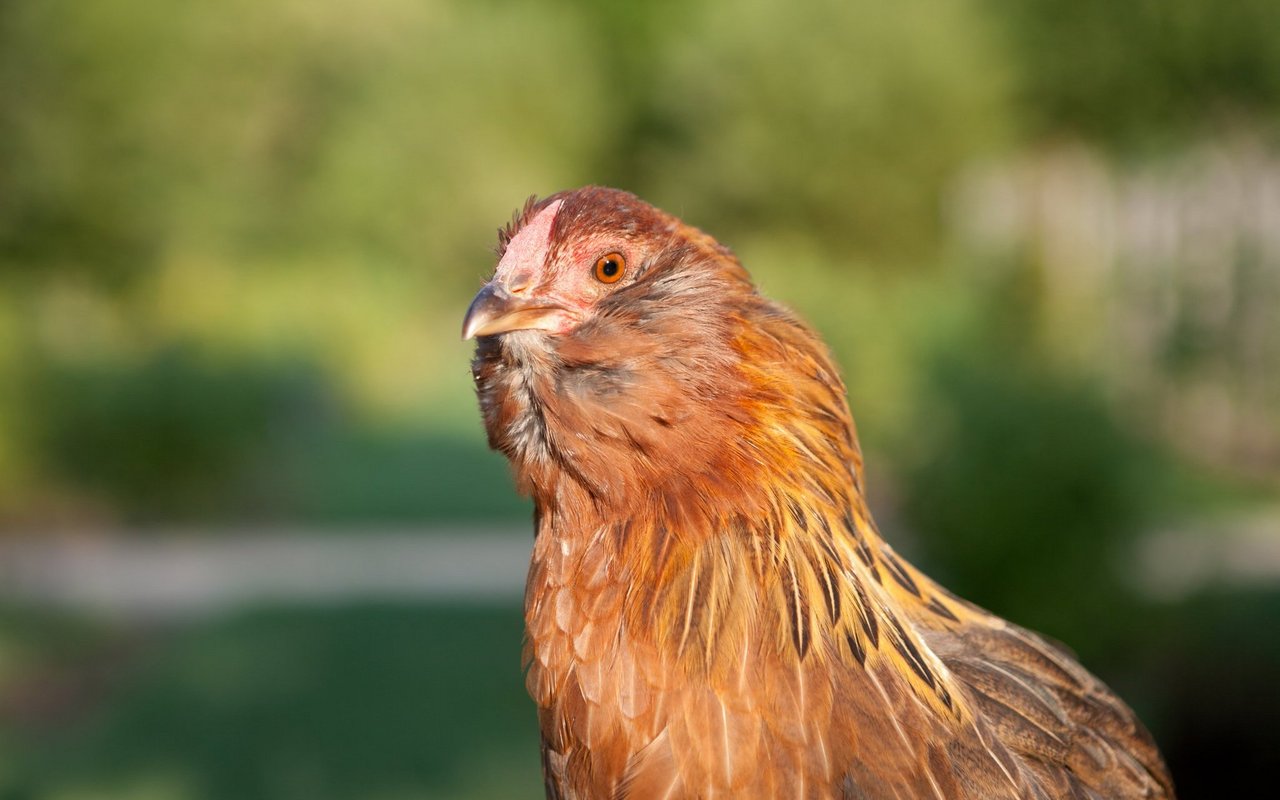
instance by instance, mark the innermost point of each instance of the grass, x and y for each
(410, 702)
(353, 702)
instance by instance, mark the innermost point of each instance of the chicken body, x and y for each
(710, 609)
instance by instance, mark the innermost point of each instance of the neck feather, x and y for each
(712, 469)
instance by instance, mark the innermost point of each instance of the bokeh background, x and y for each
(251, 542)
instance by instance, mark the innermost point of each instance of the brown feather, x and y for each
(710, 609)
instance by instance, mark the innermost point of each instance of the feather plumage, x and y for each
(710, 609)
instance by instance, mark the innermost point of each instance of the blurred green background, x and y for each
(237, 239)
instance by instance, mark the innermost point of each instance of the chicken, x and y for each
(710, 609)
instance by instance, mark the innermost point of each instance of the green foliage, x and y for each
(171, 435)
(185, 436)
(357, 476)
(1136, 73)
(1026, 496)
(295, 186)
(79, 188)
(398, 128)
(842, 121)
(287, 184)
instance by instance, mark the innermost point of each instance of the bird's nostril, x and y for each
(520, 283)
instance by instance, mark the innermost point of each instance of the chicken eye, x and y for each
(610, 268)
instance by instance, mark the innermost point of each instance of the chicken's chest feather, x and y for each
(693, 685)
(598, 690)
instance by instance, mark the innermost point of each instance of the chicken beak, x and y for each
(495, 310)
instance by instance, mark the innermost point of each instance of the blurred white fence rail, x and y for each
(1242, 551)
(1164, 272)
(171, 575)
